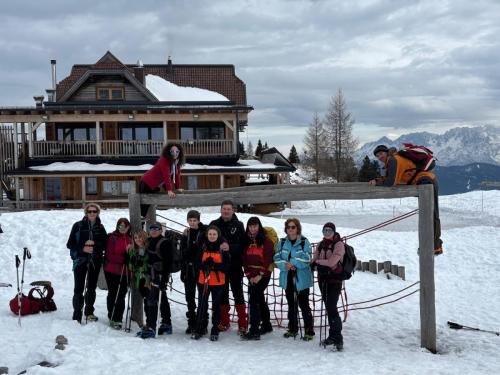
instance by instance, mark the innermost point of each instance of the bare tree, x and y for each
(315, 146)
(341, 142)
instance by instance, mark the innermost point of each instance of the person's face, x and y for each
(328, 233)
(382, 156)
(193, 223)
(291, 230)
(253, 229)
(139, 240)
(174, 152)
(226, 212)
(91, 213)
(212, 235)
(155, 232)
(123, 227)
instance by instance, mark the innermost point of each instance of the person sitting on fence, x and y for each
(138, 265)
(167, 170)
(293, 258)
(212, 268)
(329, 253)
(402, 171)
(190, 248)
(86, 242)
(159, 253)
(116, 272)
(257, 258)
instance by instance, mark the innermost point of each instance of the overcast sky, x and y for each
(403, 65)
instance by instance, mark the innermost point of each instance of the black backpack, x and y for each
(175, 241)
(348, 263)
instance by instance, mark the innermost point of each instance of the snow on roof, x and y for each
(79, 166)
(170, 92)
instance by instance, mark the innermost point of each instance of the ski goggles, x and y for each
(328, 231)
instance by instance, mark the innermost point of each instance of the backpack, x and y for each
(175, 241)
(421, 156)
(273, 236)
(39, 299)
(348, 263)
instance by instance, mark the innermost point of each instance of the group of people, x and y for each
(216, 258)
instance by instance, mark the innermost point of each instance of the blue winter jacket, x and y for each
(299, 257)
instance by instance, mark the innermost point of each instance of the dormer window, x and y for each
(110, 93)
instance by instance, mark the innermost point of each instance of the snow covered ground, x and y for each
(383, 340)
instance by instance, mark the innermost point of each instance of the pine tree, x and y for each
(368, 171)
(265, 146)
(242, 149)
(315, 156)
(249, 153)
(258, 149)
(293, 157)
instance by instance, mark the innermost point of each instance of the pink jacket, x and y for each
(116, 248)
(330, 258)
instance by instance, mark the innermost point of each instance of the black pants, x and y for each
(303, 302)
(80, 274)
(151, 307)
(330, 293)
(235, 280)
(145, 189)
(259, 311)
(117, 291)
(189, 278)
(216, 292)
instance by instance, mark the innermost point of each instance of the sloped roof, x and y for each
(218, 78)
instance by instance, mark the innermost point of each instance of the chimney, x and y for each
(170, 68)
(139, 72)
(38, 100)
(54, 80)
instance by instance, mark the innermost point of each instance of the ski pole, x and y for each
(204, 301)
(296, 302)
(85, 289)
(454, 325)
(322, 290)
(26, 254)
(326, 309)
(158, 312)
(128, 315)
(18, 263)
(117, 293)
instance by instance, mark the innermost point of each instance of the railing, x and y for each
(201, 147)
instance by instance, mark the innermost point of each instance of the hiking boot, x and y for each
(308, 335)
(91, 318)
(165, 329)
(339, 346)
(242, 331)
(265, 328)
(438, 251)
(190, 330)
(250, 336)
(289, 334)
(146, 333)
(223, 327)
(115, 325)
(196, 336)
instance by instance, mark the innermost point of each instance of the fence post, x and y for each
(426, 262)
(387, 266)
(134, 207)
(372, 266)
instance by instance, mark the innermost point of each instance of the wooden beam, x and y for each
(97, 138)
(426, 261)
(229, 125)
(134, 207)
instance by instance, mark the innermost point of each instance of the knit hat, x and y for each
(330, 225)
(380, 148)
(193, 214)
(155, 225)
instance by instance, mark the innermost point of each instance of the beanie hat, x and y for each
(380, 148)
(330, 225)
(193, 214)
(155, 225)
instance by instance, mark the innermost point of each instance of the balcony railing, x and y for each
(202, 147)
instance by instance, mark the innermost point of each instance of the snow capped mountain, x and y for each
(458, 146)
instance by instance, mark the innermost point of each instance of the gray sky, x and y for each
(403, 65)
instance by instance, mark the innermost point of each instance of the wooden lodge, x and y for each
(104, 125)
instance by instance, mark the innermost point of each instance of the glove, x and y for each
(208, 263)
(323, 270)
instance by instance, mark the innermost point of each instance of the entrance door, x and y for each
(53, 188)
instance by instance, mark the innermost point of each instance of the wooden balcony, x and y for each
(120, 148)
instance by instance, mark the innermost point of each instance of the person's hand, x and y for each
(171, 194)
(209, 262)
(289, 266)
(89, 249)
(180, 190)
(224, 246)
(372, 182)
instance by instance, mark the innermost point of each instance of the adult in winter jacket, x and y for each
(159, 253)
(257, 258)
(86, 242)
(190, 245)
(212, 268)
(167, 170)
(327, 261)
(116, 272)
(233, 232)
(402, 171)
(293, 258)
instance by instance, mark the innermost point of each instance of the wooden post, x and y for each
(165, 134)
(387, 266)
(30, 140)
(16, 146)
(358, 265)
(380, 266)
(151, 216)
(372, 266)
(84, 191)
(18, 190)
(97, 138)
(426, 260)
(134, 208)
(401, 272)
(236, 144)
(221, 182)
(364, 266)
(394, 269)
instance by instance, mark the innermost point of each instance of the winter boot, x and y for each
(165, 328)
(289, 334)
(265, 328)
(146, 333)
(191, 316)
(308, 334)
(250, 336)
(241, 310)
(91, 318)
(224, 318)
(214, 334)
(115, 325)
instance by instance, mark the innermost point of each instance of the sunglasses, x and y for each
(92, 211)
(175, 152)
(122, 226)
(328, 230)
(154, 229)
(291, 227)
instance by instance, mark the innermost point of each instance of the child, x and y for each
(213, 264)
(327, 258)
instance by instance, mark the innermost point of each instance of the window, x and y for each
(77, 132)
(110, 93)
(208, 130)
(141, 132)
(118, 188)
(91, 185)
(192, 182)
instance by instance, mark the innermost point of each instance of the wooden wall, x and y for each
(87, 92)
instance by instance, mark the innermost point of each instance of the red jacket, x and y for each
(161, 173)
(116, 248)
(257, 259)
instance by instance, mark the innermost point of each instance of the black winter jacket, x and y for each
(233, 232)
(81, 232)
(159, 263)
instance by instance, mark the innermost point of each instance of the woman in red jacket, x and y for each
(115, 271)
(257, 258)
(167, 170)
